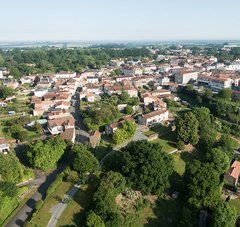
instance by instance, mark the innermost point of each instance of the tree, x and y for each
(5, 92)
(124, 96)
(203, 115)
(104, 203)
(202, 182)
(37, 127)
(8, 189)
(187, 128)
(94, 220)
(84, 161)
(11, 169)
(227, 145)
(180, 145)
(129, 110)
(23, 135)
(219, 159)
(223, 215)
(126, 131)
(146, 167)
(1, 60)
(44, 155)
(225, 93)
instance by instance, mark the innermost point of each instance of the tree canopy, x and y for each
(146, 167)
(84, 161)
(44, 155)
(187, 128)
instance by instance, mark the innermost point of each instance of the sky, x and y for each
(119, 20)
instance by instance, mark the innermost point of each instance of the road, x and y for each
(58, 209)
(81, 132)
(27, 209)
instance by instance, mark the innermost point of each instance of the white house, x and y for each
(183, 77)
(92, 80)
(154, 117)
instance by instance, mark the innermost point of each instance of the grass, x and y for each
(8, 205)
(164, 212)
(166, 137)
(179, 164)
(42, 217)
(236, 203)
(73, 214)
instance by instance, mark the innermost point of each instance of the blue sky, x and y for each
(119, 19)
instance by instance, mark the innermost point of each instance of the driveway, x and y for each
(27, 209)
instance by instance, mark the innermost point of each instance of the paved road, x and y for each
(27, 209)
(58, 209)
(81, 132)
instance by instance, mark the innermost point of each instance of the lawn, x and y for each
(42, 217)
(73, 214)
(167, 138)
(179, 164)
(165, 212)
(236, 203)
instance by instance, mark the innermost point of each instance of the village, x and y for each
(124, 101)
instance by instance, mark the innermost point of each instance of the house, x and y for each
(65, 75)
(40, 92)
(183, 77)
(233, 173)
(4, 146)
(26, 80)
(94, 138)
(58, 113)
(62, 105)
(59, 125)
(69, 134)
(154, 117)
(215, 83)
(92, 80)
(131, 71)
(163, 80)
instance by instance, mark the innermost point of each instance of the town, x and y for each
(148, 128)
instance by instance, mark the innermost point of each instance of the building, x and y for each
(92, 80)
(154, 117)
(233, 173)
(215, 83)
(4, 146)
(111, 128)
(59, 125)
(183, 77)
(94, 138)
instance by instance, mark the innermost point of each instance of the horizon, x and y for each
(155, 20)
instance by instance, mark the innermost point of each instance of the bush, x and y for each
(180, 145)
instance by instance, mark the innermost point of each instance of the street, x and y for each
(27, 209)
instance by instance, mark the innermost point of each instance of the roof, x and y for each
(68, 134)
(235, 169)
(69, 120)
(153, 114)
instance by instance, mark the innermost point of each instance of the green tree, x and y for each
(11, 170)
(202, 183)
(129, 110)
(187, 128)
(219, 159)
(84, 161)
(23, 135)
(94, 220)
(203, 115)
(37, 127)
(1, 60)
(227, 145)
(104, 203)
(223, 215)
(225, 93)
(146, 167)
(5, 92)
(44, 155)
(124, 96)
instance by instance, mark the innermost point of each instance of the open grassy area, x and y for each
(162, 213)
(236, 203)
(73, 214)
(179, 164)
(166, 138)
(42, 217)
